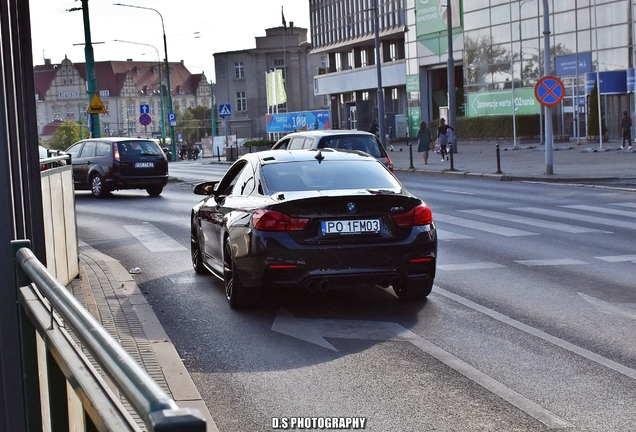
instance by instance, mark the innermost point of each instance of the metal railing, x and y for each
(46, 307)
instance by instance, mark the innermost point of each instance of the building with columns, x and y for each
(122, 86)
(241, 80)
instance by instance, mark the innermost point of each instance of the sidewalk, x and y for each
(111, 295)
(527, 161)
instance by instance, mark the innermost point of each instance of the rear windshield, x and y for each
(131, 148)
(328, 175)
(367, 144)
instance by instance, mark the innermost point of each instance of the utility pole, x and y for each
(549, 165)
(91, 83)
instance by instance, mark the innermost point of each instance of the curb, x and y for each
(180, 384)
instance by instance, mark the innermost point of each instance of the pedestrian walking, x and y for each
(374, 127)
(442, 138)
(626, 126)
(424, 141)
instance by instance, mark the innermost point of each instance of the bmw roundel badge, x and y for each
(351, 207)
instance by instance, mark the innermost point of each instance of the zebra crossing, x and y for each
(535, 221)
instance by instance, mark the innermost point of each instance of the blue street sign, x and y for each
(225, 110)
(172, 119)
(144, 109)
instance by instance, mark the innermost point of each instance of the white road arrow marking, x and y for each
(315, 330)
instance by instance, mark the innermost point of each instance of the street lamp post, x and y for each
(163, 116)
(173, 147)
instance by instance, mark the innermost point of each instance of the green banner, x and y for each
(431, 16)
(413, 83)
(500, 103)
(414, 121)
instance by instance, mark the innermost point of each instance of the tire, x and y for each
(235, 293)
(97, 187)
(154, 191)
(195, 252)
(414, 289)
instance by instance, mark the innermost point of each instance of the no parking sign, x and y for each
(549, 91)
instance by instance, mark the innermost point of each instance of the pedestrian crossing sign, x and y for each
(225, 110)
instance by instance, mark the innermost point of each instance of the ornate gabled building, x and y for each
(122, 86)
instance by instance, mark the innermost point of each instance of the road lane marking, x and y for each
(589, 355)
(633, 205)
(470, 266)
(153, 238)
(444, 235)
(550, 262)
(578, 217)
(602, 210)
(316, 330)
(617, 258)
(626, 310)
(482, 226)
(458, 192)
(533, 222)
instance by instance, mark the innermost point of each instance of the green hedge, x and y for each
(493, 126)
(257, 143)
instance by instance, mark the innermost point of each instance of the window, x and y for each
(104, 93)
(239, 70)
(130, 109)
(241, 101)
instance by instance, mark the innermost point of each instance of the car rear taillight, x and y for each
(115, 152)
(420, 215)
(269, 220)
(389, 164)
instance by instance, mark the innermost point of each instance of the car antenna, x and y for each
(319, 157)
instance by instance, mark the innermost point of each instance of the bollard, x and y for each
(218, 154)
(450, 154)
(411, 155)
(498, 160)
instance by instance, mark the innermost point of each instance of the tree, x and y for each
(592, 123)
(65, 135)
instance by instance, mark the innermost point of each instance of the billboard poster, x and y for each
(297, 121)
(500, 103)
(432, 16)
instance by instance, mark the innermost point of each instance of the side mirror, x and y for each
(207, 188)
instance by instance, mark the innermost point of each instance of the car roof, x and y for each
(277, 156)
(329, 132)
(117, 139)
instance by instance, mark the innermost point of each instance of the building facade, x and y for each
(498, 51)
(343, 34)
(241, 81)
(123, 87)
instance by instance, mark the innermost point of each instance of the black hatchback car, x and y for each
(318, 219)
(103, 165)
(345, 140)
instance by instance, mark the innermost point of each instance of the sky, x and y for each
(195, 29)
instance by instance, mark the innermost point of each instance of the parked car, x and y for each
(347, 140)
(319, 219)
(103, 165)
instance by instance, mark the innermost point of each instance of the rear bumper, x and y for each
(120, 182)
(277, 261)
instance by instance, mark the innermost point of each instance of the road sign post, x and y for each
(549, 91)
